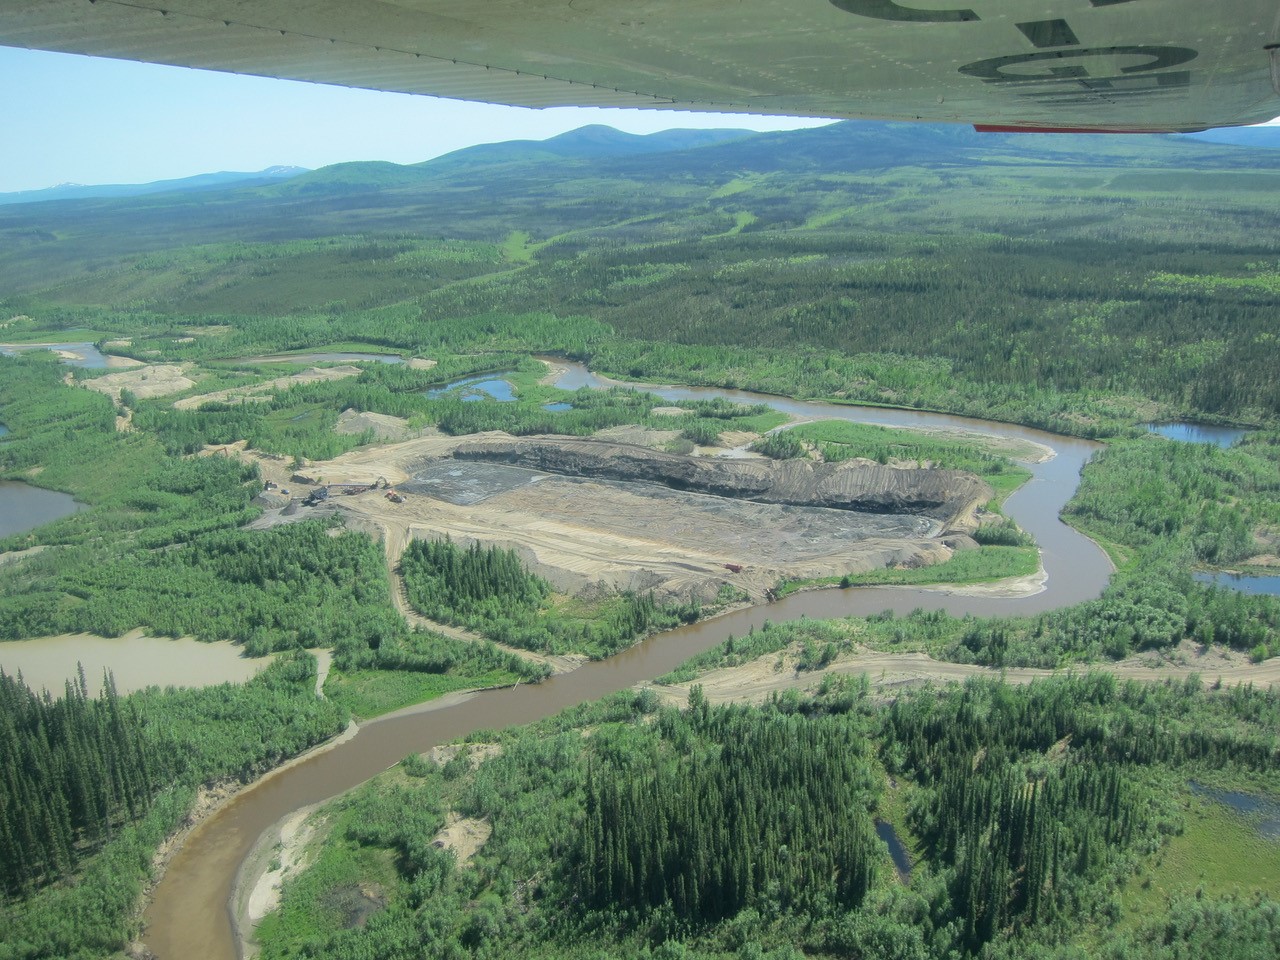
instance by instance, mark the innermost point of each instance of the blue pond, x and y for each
(88, 356)
(1198, 433)
(557, 407)
(1243, 583)
(1262, 811)
(477, 388)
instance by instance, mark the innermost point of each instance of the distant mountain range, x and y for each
(203, 181)
(586, 143)
(849, 145)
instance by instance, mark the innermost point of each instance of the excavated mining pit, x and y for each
(594, 516)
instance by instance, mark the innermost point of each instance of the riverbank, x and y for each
(774, 673)
(279, 853)
(206, 871)
(281, 850)
(211, 800)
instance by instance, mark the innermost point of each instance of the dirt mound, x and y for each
(381, 425)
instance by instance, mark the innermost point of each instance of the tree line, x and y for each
(74, 769)
(488, 590)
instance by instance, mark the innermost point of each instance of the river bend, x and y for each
(190, 916)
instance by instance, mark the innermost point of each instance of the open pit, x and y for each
(595, 517)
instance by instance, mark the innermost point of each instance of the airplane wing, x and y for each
(1141, 65)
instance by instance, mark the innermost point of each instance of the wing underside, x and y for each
(1101, 64)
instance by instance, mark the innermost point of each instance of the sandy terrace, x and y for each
(144, 382)
(257, 391)
(772, 673)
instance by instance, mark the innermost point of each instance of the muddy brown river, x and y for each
(190, 913)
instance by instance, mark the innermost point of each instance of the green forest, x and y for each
(1087, 287)
(488, 590)
(93, 784)
(1034, 817)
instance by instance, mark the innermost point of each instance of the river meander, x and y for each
(190, 913)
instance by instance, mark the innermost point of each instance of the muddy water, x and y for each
(134, 660)
(190, 916)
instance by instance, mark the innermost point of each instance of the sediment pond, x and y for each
(24, 507)
(135, 661)
(476, 388)
(190, 912)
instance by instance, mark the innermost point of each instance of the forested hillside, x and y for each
(1060, 280)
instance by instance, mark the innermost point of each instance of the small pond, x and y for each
(1242, 582)
(1198, 433)
(24, 507)
(84, 355)
(557, 407)
(477, 388)
(1262, 811)
(897, 850)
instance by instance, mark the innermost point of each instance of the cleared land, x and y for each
(596, 534)
(153, 380)
(257, 391)
(759, 679)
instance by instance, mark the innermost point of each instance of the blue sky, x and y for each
(72, 119)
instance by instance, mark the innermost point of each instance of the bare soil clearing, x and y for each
(383, 426)
(257, 391)
(587, 535)
(772, 673)
(477, 753)
(122, 363)
(145, 381)
(464, 836)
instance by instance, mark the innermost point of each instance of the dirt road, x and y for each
(395, 538)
